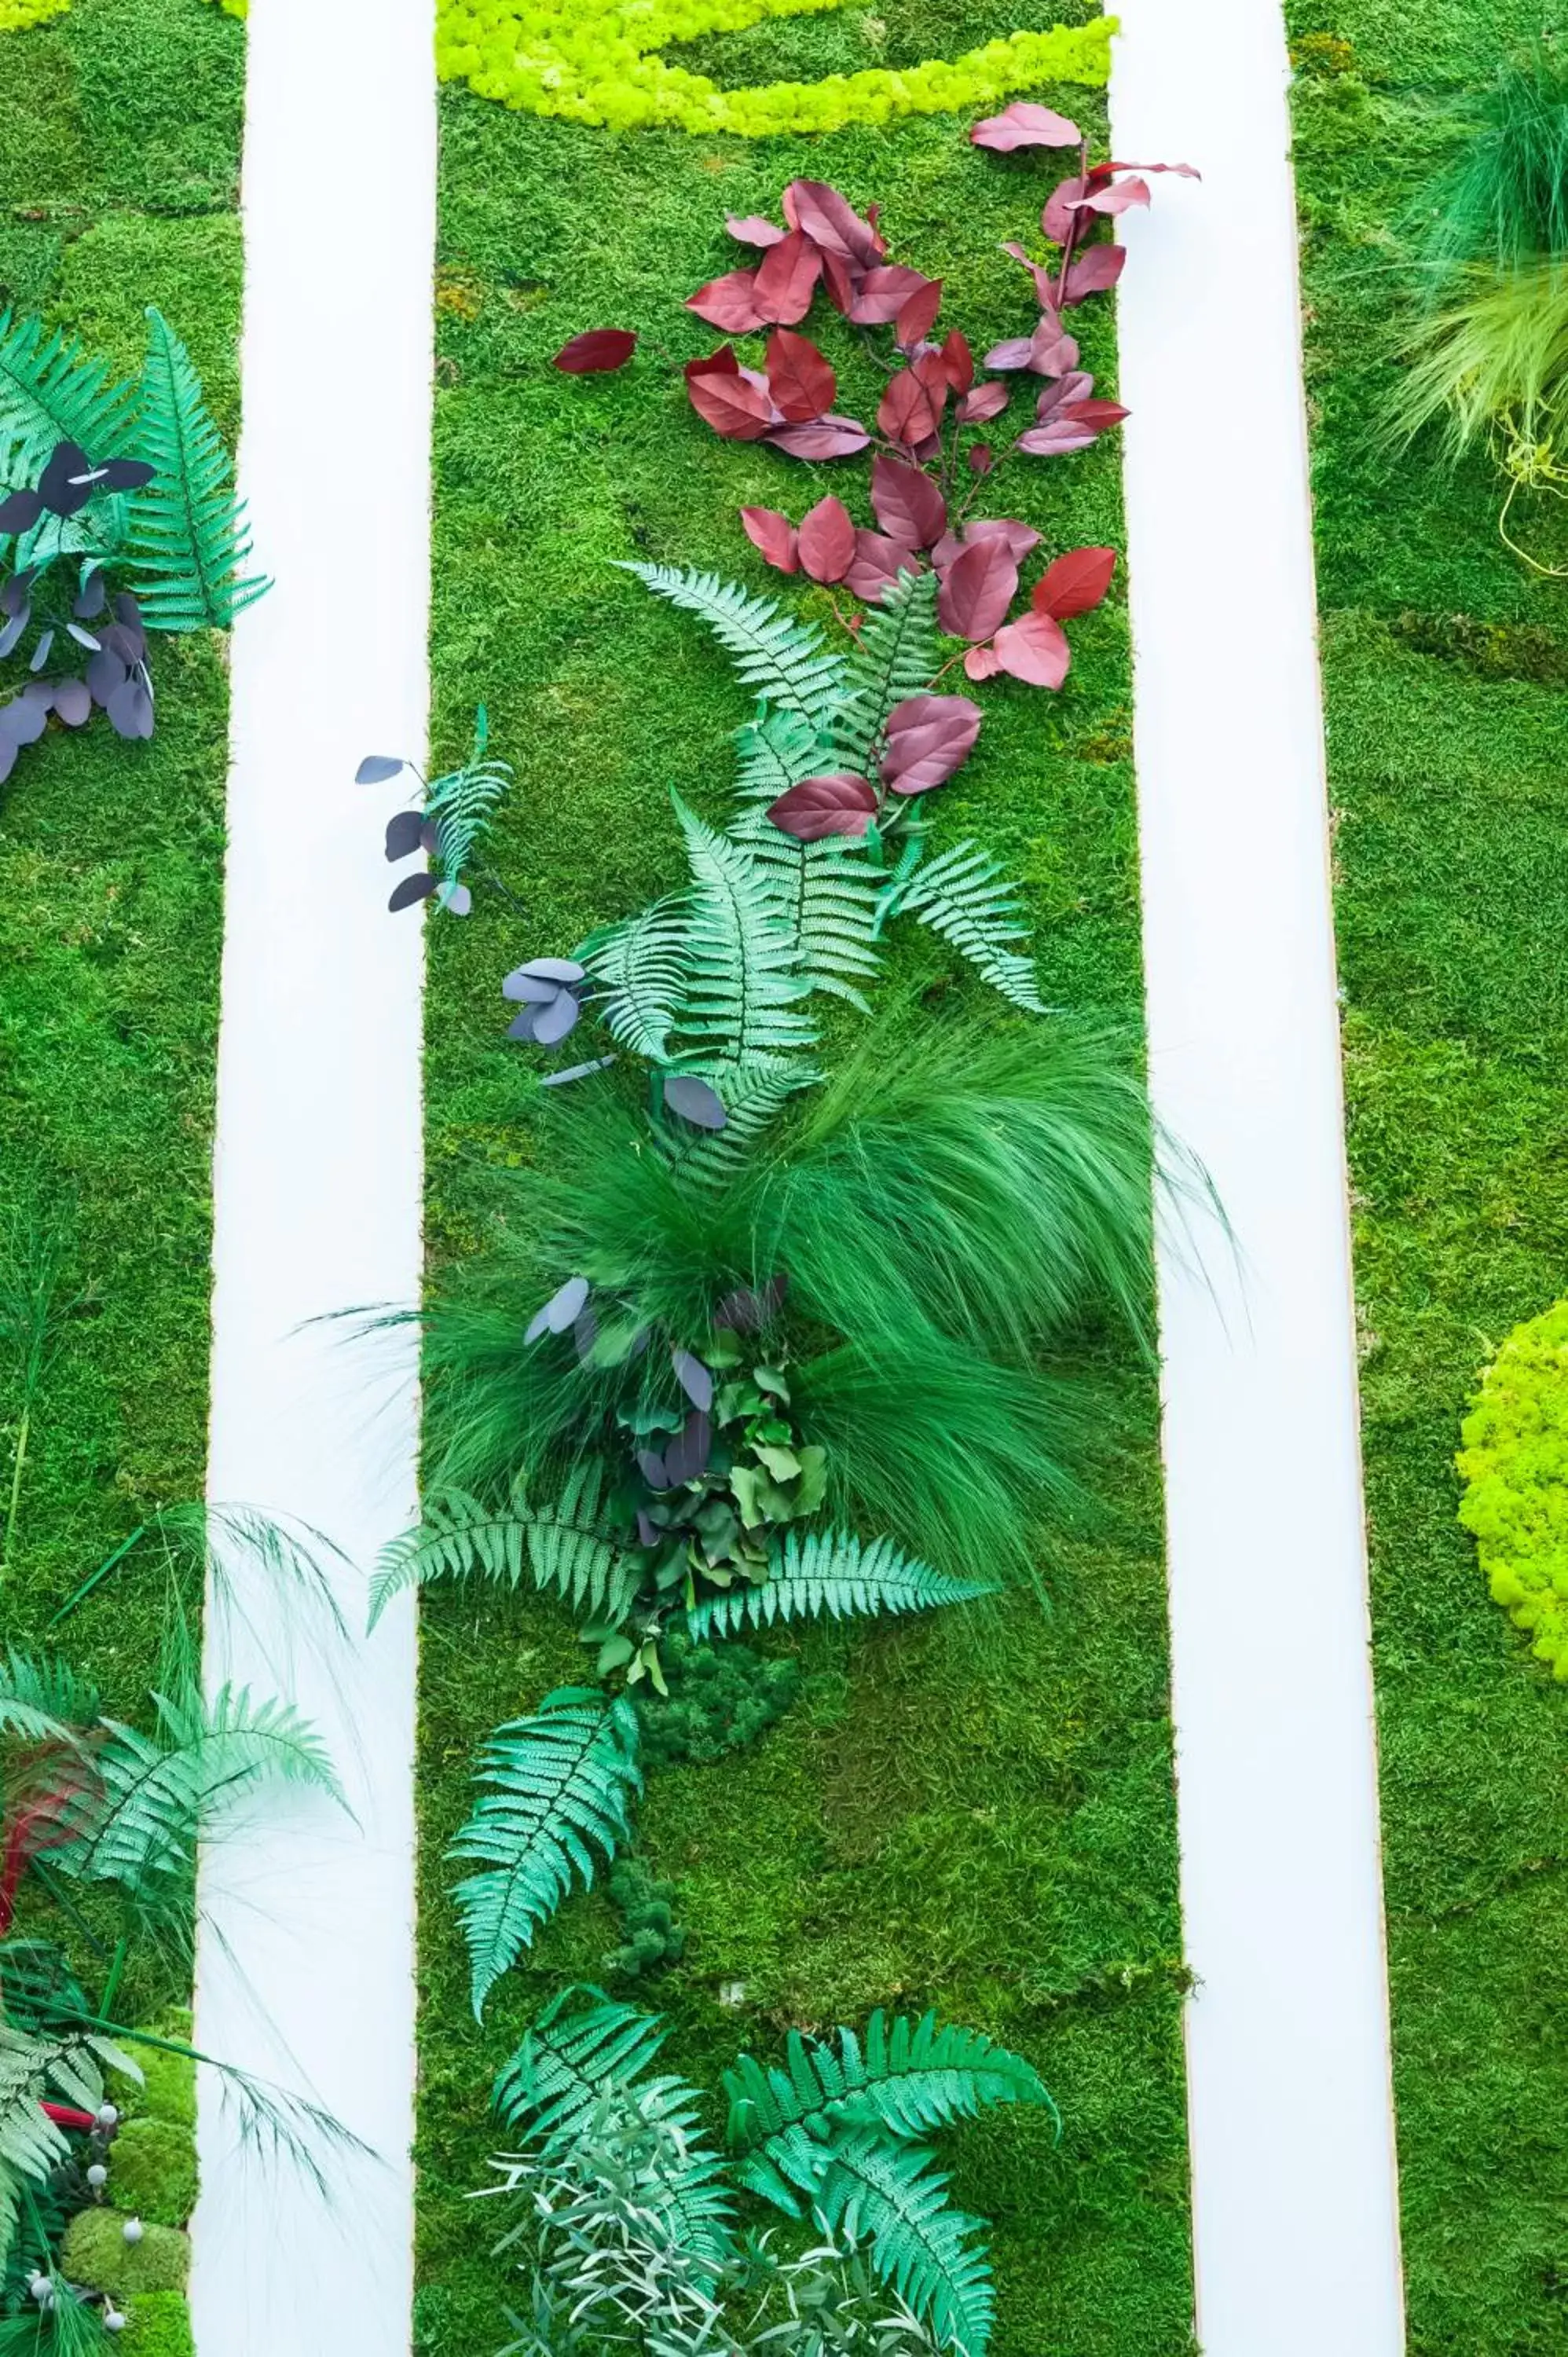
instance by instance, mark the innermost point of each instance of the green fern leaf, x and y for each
(743, 976)
(896, 656)
(814, 1572)
(908, 2078)
(825, 901)
(32, 2070)
(187, 531)
(964, 896)
(637, 968)
(562, 2068)
(51, 392)
(569, 1547)
(462, 805)
(754, 1097)
(554, 1785)
(926, 2249)
(42, 1699)
(777, 750)
(784, 660)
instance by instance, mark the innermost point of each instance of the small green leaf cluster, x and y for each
(596, 61)
(646, 1906)
(1514, 1464)
(718, 1699)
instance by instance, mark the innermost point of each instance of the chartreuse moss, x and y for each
(1515, 1464)
(596, 62)
(16, 14)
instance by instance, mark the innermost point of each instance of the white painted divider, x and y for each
(306, 1963)
(1289, 2100)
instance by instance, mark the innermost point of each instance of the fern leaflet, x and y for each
(32, 2070)
(569, 1547)
(964, 896)
(908, 2078)
(896, 656)
(554, 1785)
(188, 530)
(754, 1097)
(743, 976)
(638, 971)
(460, 805)
(777, 750)
(786, 661)
(562, 2068)
(42, 1699)
(814, 1572)
(51, 392)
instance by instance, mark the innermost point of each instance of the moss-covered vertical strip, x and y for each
(1444, 665)
(974, 1814)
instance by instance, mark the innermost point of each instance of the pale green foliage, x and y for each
(639, 973)
(558, 2072)
(904, 2077)
(786, 661)
(554, 1788)
(814, 1572)
(743, 980)
(461, 803)
(755, 1095)
(42, 1699)
(568, 1546)
(965, 896)
(895, 655)
(188, 538)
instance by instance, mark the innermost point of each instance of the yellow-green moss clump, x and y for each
(594, 62)
(152, 2171)
(1514, 1465)
(157, 2324)
(16, 14)
(95, 2251)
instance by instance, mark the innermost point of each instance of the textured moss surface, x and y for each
(96, 2253)
(976, 1816)
(1448, 748)
(119, 154)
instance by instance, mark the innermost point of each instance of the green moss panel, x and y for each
(969, 1812)
(1444, 664)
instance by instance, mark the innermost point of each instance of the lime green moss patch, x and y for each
(1515, 1466)
(157, 2324)
(168, 2090)
(95, 2253)
(152, 2170)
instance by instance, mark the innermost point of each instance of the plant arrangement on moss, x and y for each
(1514, 1464)
(1488, 355)
(117, 521)
(631, 2233)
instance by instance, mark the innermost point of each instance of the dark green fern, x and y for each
(814, 1572)
(188, 535)
(905, 2079)
(51, 392)
(964, 897)
(569, 1547)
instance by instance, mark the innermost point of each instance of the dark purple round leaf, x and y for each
(60, 487)
(650, 1465)
(40, 690)
(8, 757)
(694, 1378)
(73, 701)
(648, 1531)
(20, 512)
(584, 1334)
(13, 629)
(553, 1022)
(40, 655)
(564, 1309)
(23, 720)
(105, 673)
(748, 1309)
(377, 768)
(521, 1026)
(14, 597)
(403, 833)
(130, 709)
(694, 1101)
(531, 988)
(412, 889)
(84, 638)
(125, 474)
(117, 641)
(457, 899)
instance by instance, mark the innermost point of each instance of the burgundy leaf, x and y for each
(959, 361)
(1120, 197)
(882, 294)
(986, 401)
(919, 314)
(1094, 272)
(695, 1101)
(877, 561)
(1034, 649)
(1098, 414)
(906, 412)
(831, 221)
(1057, 440)
(729, 303)
(1016, 353)
(838, 282)
(981, 662)
(826, 540)
(1052, 351)
(842, 803)
(977, 589)
(981, 459)
(774, 534)
(907, 503)
(825, 438)
(785, 279)
(1074, 584)
(929, 737)
(736, 410)
(596, 352)
(724, 362)
(799, 379)
(753, 230)
(1058, 219)
(1020, 539)
(1024, 124)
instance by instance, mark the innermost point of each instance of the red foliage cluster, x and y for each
(926, 739)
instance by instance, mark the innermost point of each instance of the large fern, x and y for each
(896, 656)
(814, 1572)
(824, 899)
(964, 896)
(907, 2078)
(556, 1787)
(638, 970)
(925, 2249)
(187, 533)
(786, 661)
(776, 749)
(569, 1547)
(51, 392)
(744, 983)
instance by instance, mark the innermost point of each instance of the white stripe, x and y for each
(1289, 2102)
(305, 1967)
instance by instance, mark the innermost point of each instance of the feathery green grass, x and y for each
(1447, 748)
(970, 1810)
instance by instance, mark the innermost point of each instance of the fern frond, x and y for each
(553, 1784)
(964, 896)
(569, 1547)
(825, 901)
(461, 804)
(637, 968)
(33, 2068)
(42, 1698)
(784, 660)
(814, 1572)
(743, 975)
(896, 656)
(908, 2078)
(562, 2068)
(777, 750)
(925, 2249)
(187, 533)
(753, 1098)
(51, 392)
